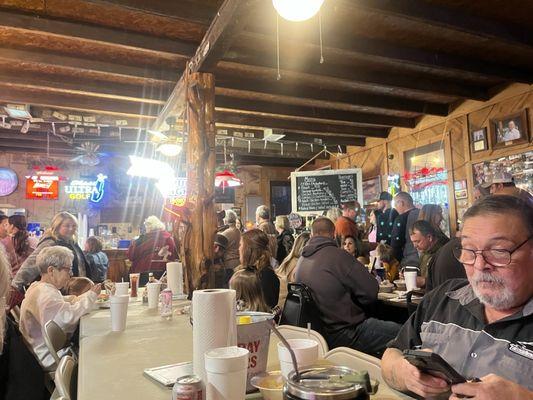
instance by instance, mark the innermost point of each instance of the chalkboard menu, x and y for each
(224, 196)
(316, 191)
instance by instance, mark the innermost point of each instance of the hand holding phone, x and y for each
(433, 364)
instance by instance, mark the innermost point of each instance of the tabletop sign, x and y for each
(314, 192)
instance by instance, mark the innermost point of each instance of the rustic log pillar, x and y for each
(201, 157)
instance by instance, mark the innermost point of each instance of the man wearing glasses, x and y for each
(483, 326)
(44, 302)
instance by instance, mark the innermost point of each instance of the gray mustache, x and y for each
(487, 277)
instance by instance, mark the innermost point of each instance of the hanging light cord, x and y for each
(277, 47)
(320, 37)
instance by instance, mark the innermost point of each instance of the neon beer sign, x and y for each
(87, 190)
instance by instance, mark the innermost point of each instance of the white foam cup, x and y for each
(119, 312)
(410, 280)
(153, 294)
(121, 288)
(226, 369)
(305, 350)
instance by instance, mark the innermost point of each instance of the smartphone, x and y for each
(433, 364)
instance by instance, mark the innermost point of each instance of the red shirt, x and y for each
(143, 252)
(345, 227)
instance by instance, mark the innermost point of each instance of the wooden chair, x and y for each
(66, 378)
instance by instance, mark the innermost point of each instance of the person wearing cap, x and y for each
(222, 272)
(385, 218)
(503, 183)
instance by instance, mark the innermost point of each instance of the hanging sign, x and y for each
(87, 190)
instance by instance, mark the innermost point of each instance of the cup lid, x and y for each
(324, 383)
(122, 298)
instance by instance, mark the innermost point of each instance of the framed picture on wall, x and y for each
(478, 140)
(509, 130)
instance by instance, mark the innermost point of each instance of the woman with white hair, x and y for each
(152, 250)
(62, 232)
(44, 302)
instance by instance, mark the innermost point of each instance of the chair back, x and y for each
(300, 308)
(344, 356)
(293, 332)
(55, 339)
(66, 378)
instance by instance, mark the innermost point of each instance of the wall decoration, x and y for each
(478, 140)
(371, 190)
(8, 181)
(460, 190)
(42, 186)
(87, 190)
(519, 165)
(509, 130)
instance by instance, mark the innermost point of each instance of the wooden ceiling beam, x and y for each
(229, 22)
(225, 117)
(241, 159)
(327, 97)
(447, 18)
(391, 55)
(362, 79)
(70, 85)
(152, 74)
(96, 33)
(231, 104)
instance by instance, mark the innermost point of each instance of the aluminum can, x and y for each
(188, 387)
(166, 303)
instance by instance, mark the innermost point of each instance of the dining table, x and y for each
(111, 364)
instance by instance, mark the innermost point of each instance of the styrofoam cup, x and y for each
(305, 350)
(153, 294)
(410, 280)
(226, 369)
(121, 288)
(119, 312)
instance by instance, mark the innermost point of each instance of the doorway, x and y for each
(280, 198)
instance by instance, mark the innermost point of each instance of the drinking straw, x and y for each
(291, 352)
(309, 330)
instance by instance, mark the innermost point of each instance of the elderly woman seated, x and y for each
(44, 301)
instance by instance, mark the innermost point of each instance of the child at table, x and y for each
(248, 290)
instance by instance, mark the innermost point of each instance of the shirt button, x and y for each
(473, 355)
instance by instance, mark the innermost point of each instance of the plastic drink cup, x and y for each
(305, 350)
(119, 312)
(121, 288)
(226, 369)
(153, 294)
(410, 280)
(134, 282)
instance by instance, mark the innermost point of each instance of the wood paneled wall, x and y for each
(386, 156)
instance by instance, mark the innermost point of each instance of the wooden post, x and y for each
(200, 97)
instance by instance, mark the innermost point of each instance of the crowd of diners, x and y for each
(477, 312)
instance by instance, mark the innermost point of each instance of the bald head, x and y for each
(323, 226)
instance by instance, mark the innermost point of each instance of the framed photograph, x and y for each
(510, 130)
(371, 190)
(478, 140)
(460, 188)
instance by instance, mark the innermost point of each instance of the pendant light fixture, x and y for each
(297, 10)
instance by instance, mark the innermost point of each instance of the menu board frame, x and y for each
(358, 172)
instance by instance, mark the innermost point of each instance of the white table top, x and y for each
(111, 364)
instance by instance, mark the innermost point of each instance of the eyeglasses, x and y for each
(494, 257)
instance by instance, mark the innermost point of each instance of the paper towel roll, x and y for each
(175, 277)
(214, 324)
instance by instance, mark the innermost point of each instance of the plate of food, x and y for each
(103, 300)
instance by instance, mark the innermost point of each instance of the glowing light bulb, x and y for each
(169, 149)
(297, 10)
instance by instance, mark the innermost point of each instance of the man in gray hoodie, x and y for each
(342, 289)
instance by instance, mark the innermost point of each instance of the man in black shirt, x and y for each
(444, 266)
(385, 218)
(404, 251)
(482, 326)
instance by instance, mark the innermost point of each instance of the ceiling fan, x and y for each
(169, 143)
(89, 154)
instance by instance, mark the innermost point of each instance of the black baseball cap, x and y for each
(385, 196)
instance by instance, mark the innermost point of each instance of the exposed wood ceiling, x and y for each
(386, 63)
